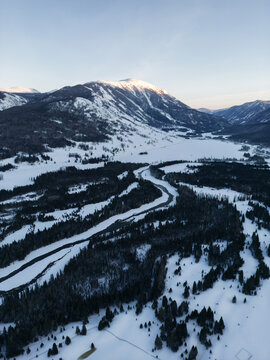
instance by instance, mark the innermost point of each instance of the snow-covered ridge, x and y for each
(18, 89)
(133, 84)
(244, 113)
(141, 102)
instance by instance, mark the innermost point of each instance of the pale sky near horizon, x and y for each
(207, 53)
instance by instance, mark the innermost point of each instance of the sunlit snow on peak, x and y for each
(16, 89)
(133, 84)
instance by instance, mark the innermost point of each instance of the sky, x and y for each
(207, 53)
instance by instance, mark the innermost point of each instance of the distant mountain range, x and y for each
(241, 114)
(205, 110)
(249, 121)
(19, 90)
(96, 111)
(245, 113)
(255, 130)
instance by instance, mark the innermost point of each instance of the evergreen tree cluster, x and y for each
(259, 214)
(77, 292)
(102, 183)
(251, 283)
(252, 180)
(106, 319)
(146, 192)
(209, 326)
(173, 332)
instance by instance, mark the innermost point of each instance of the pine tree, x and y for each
(241, 277)
(255, 247)
(164, 301)
(263, 270)
(193, 353)
(202, 317)
(202, 335)
(54, 349)
(183, 308)
(216, 327)
(199, 286)
(221, 324)
(186, 292)
(210, 315)
(109, 315)
(139, 307)
(103, 323)
(154, 304)
(84, 330)
(158, 343)
(174, 308)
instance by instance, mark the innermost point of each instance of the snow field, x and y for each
(247, 325)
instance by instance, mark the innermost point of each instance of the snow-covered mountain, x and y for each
(8, 100)
(97, 111)
(131, 100)
(18, 90)
(242, 114)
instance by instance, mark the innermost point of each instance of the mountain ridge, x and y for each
(97, 110)
(19, 90)
(244, 113)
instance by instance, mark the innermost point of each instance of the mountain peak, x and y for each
(18, 89)
(133, 84)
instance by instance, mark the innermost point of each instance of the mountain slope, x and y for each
(254, 133)
(95, 111)
(153, 105)
(255, 130)
(132, 100)
(241, 114)
(9, 100)
(261, 117)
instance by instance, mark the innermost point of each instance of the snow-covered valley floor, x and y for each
(247, 324)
